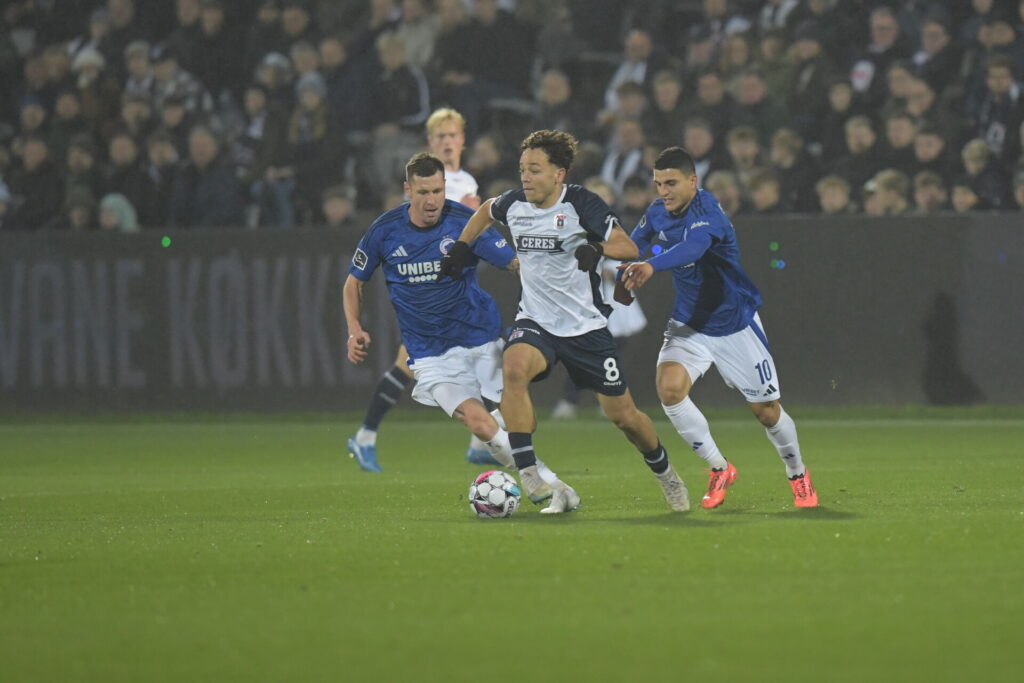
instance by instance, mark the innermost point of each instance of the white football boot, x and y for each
(565, 499)
(672, 486)
(535, 488)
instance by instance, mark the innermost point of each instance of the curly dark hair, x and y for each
(560, 147)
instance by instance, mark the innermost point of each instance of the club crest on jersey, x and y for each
(560, 220)
(445, 245)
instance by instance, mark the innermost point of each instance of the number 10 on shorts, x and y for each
(764, 371)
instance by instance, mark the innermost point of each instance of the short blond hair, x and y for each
(444, 115)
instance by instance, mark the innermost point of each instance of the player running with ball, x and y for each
(560, 232)
(715, 320)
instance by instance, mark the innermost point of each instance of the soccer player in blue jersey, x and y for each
(451, 327)
(446, 138)
(715, 320)
(561, 232)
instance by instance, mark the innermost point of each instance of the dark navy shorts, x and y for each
(591, 359)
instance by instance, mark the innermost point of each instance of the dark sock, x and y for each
(657, 460)
(522, 449)
(389, 389)
(489, 404)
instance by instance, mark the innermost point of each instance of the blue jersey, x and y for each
(432, 316)
(713, 293)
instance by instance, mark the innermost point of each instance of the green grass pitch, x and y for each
(253, 549)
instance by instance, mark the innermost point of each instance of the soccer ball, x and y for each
(494, 494)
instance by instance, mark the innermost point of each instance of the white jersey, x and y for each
(557, 295)
(458, 184)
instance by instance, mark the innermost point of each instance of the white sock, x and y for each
(366, 437)
(496, 414)
(546, 474)
(500, 448)
(693, 427)
(783, 437)
(476, 443)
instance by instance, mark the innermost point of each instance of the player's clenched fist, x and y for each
(358, 345)
(587, 255)
(454, 261)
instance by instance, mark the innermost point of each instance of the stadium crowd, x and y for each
(121, 114)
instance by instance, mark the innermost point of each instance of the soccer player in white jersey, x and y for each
(446, 138)
(451, 329)
(561, 232)
(715, 320)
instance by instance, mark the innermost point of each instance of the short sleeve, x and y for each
(367, 255)
(596, 217)
(501, 205)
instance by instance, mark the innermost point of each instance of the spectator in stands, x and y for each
(343, 77)
(38, 184)
(317, 145)
(923, 104)
(305, 59)
(123, 30)
(625, 157)
(126, 176)
(337, 208)
(486, 160)
(117, 213)
(98, 91)
(186, 34)
(206, 193)
(699, 140)
(744, 148)
(898, 77)
(140, 71)
(81, 171)
(965, 199)
(932, 154)
(808, 90)
(275, 74)
(842, 106)
(775, 14)
(795, 169)
(1001, 112)
(663, 121)
(297, 23)
(162, 161)
(5, 203)
(631, 104)
(887, 193)
(987, 178)
(861, 159)
(701, 48)
(57, 63)
(726, 188)
(263, 159)
(776, 67)
(884, 47)
(401, 105)
(721, 20)
(897, 151)
(638, 65)
(755, 107)
(79, 212)
(136, 117)
(938, 60)
(264, 35)
(713, 102)
(736, 55)
(930, 194)
(68, 122)
(636, 197)
(556, 108)
(172, 80)
(217, 53)
(764, 191)
(94, 35)
(418, 29)
(32, 116)
(834, 196)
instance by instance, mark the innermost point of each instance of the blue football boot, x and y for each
(480, 456)
(365, 456)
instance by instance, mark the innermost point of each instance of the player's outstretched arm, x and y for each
(619, 246)
(458, 254)
(358, 338)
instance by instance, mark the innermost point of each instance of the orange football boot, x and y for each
(718, 482)
(804, 495)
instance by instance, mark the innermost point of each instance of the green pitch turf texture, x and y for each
(253, 549)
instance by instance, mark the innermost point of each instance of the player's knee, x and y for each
(515, 374)
(670, 394)
(767, 414)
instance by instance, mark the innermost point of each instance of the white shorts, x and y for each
(742, 358)
(459, 374)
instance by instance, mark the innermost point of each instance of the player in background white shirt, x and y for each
(446, 138)
(561, 232)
